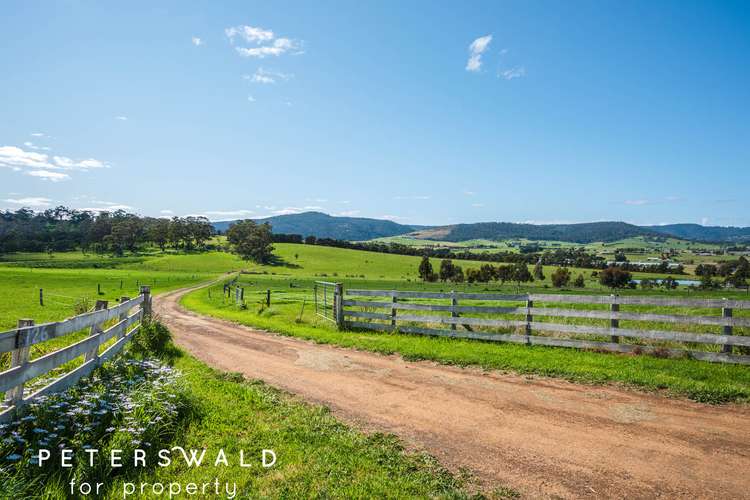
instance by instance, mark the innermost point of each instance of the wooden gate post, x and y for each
(394, 301)
(726, 312)
(19, 357)
(454, 303)
(146, 292)
(614, 323)
(529, 319)
(338, 299)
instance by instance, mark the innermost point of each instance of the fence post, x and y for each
(454, 303)
(394, 301)
(19, 357)
(726, 312)
(614, 323)
(268, 298)
(529, 319)
(338, 299)
(41, 296)
(146, 292)
(95, 330)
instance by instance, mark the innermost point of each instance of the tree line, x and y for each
(63, 229)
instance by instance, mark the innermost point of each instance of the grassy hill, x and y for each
(323, 225)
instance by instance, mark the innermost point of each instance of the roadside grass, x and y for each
(316, 455)
(131, 404)
(697, 380)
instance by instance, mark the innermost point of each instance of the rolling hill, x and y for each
(323, 225)
(696, 232)
(577, 233)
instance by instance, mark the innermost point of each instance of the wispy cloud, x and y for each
(121, 118)
(37, 134)
(197, 41)
(228, 213)
(348, 213)
(510, 74)
(265, 41)
(637, 202)
(477, 205)
(42, 166)
(30, 202)
(391, 217)
(476, 49)
(250, 34)
(644, 201)
(266, 76)
(466, 192)
(47, 175)
(250, 98)
(166, 212)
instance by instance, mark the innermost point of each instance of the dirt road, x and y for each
(542, 437)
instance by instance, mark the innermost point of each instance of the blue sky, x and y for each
(422, 112)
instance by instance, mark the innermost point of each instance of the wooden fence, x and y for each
(19, 341)
(522, 323)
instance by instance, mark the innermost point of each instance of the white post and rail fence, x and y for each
(589, 321)
(121, 320)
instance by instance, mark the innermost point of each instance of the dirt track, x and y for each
(542, 437)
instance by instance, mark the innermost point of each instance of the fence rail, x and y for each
(19, 341)
(401, 316)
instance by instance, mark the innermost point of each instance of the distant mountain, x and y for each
(577, 233)
(696, 232)
(359, 229)
(323, 225)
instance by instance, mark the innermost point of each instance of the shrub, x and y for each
(153, 339)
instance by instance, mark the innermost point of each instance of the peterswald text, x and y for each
(192, 457)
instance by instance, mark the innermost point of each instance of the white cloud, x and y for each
(278, 47)
(251, 98)
(166, 212)
(250, 34)
(13, 157)
(37, 134)
(637, 202)
(197, 41)
(391, 217)
(704, 221)
(265, 42)
(348, 213)
(476, 49)
(41, 166)
(469, 193)
(510, 74)
(121, 118)
(228, 213)
(265, 76)
(477, 205)
(31, 202)
(46, 175)
(68, 164)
